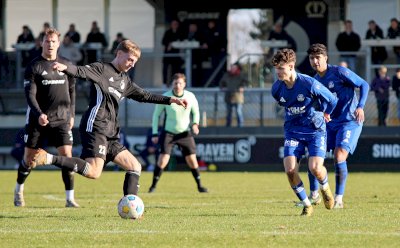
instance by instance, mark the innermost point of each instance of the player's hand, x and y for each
(195, 129)
(43, 120)
(359, 113)
(154, 139)
(327, 117)
(59, 67)
(182, 102)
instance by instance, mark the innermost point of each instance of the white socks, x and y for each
(19, 187)
(69, 194)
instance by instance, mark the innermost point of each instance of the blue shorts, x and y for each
(344, 135)
(296, 144)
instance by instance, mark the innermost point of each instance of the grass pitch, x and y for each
(241, 210)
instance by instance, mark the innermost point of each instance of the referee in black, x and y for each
(99, 127)
(50, 114)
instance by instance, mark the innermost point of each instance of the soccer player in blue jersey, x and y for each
(347, 118)
(304, 126)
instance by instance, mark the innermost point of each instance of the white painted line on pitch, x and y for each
(53, 198)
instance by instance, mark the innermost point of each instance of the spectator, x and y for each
(216, 48)
(278, 33)
(396, 88)
(343, 64)
(394, 33)
(4, 69)
(380, 85)
(378, 53)
(46, 26)
(233, 82)
(76, 38)
(25, 37)
(73, 34)
(35, 51)
(120, 37)
(69, 51)
(348, 41)
(94, 36)
(198, 55)
(171, 65)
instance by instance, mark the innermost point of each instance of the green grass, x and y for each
(241, 210)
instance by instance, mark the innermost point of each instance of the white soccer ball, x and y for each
(130, 207)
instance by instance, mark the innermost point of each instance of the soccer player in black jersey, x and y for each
(99, 127)
(50, 115)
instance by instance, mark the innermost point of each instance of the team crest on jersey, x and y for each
(300, 97)
(331, 85)
(122, 85)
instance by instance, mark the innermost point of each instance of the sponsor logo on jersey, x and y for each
(47, 82)
(296, 110)
(300, 97)
(44, 73)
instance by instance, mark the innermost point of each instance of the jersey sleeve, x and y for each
(195, 110)
(353, 79)
(30, 88)
(325, 97)
(137, 93)
(92, 72)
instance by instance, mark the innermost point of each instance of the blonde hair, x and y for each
(128, 46)
(51, 31)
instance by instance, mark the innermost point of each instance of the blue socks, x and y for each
(341, 177)
(299, 191)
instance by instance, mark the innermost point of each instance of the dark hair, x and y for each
(317, 48)
(177, 76)
(283, 56)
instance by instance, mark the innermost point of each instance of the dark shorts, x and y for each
(96, 145)
(39, 136)
(185, 142)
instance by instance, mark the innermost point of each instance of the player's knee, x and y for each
(291, 172)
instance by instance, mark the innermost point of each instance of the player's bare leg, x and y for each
(316, 167)
(133, 168)
(292, 171)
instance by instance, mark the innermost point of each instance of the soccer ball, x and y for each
(130, 207)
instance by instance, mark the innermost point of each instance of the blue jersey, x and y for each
(300, 103)
(342, 82)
